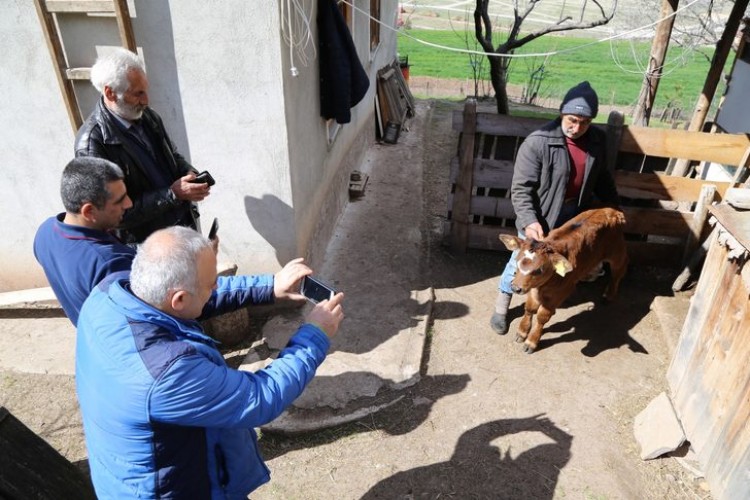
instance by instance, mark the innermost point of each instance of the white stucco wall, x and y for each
(219, 75)
(229, 74)
(320, 171)
(35, 143)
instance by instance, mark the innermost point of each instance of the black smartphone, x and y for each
(204, 177)
(214, 229)
(315, 290)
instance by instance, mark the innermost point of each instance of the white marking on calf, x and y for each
(527, 255)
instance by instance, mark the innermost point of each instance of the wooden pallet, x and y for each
(666, 215)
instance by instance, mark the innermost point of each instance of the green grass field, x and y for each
(615, 69)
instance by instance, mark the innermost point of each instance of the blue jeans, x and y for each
(567, 212)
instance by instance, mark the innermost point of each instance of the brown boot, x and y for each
(499, 320)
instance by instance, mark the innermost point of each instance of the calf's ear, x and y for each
(511, 242)
(561, 264)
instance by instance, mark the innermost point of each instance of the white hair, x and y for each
(165, 262)
(112, 70)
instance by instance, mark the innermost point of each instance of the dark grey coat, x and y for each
(541, 172)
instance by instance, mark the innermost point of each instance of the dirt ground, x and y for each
(486, 420)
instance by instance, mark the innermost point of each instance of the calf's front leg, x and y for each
(543, 315)
(529, 309)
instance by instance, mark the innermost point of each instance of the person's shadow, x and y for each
(267, 215)
(480, 469)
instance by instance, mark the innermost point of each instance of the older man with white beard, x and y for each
(125, 130)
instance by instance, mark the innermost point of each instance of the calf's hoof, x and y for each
(528, 348)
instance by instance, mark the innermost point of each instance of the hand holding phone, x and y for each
(316, 290)
(204, 178)
(327, 315)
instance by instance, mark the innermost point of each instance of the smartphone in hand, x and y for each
(204, 177)
(214, 229)
(315, 290)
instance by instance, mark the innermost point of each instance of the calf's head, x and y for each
(537, 263)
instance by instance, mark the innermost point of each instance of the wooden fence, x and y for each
(666, 215)
(709, 376)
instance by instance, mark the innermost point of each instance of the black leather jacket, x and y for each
(153, 208)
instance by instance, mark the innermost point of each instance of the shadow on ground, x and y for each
(479, 469)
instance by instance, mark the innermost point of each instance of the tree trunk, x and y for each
(659, 46)
(497, 75)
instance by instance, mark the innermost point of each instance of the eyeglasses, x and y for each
(574, 120)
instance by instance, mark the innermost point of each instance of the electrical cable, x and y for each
(297, 33)
(511, 56)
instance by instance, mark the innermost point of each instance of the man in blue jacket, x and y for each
(76, 248)
(163, 415)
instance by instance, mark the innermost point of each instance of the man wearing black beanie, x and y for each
(560, 171)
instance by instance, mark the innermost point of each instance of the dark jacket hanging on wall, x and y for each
(343, 80)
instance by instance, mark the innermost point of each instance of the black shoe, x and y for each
(499, 323)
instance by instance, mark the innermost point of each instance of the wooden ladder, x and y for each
(48, 10)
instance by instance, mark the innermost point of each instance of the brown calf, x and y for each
(549, 269)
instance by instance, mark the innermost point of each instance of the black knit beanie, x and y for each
(581, 100)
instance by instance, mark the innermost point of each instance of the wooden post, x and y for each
(464, 180)
(706, 198)
(712, 78)
(741, 175)
(51, 36)
(615, 122)
(659, 46)
(125, 25)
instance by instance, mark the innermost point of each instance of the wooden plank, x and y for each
(615, 123)
(490, 206)
(54, 46)
(125, 25)
(81, 6)
(464, 182)
(643, 253)
(487, 173)
(503, 125)
(657, 221)
(487, 237)
(696, 316)
(727, 149)
(711, 398)
(737, 222)
(741, 175)
(663, 187)
(78, 73)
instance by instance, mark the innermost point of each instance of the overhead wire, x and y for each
(512, 56)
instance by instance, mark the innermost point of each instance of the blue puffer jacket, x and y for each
(163, 415)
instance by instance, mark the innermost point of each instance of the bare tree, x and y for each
(498, 64)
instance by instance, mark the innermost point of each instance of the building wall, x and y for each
(219, 76)
(36, 141)
(320, 167)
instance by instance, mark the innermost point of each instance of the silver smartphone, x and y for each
(315, 290)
